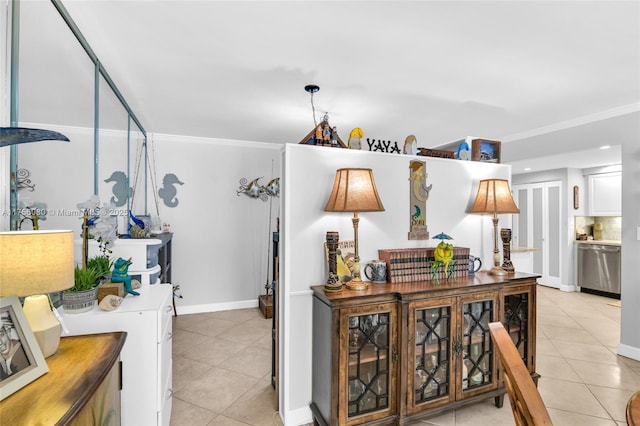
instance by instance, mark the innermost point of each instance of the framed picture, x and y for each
(21, 360)
(485, 150)
(344, 260)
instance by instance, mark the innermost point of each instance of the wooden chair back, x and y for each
(526, 403)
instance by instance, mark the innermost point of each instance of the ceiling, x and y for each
(546, 78)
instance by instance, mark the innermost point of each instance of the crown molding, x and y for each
(580, 121)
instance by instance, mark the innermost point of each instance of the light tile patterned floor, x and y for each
(222, 368)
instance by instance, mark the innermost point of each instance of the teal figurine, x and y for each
(120, 275)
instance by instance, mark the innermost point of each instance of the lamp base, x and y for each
(357, 284)
(46, 328)
(497, 271)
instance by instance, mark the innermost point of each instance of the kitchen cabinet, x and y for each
(146, 355)
(395, 353)
(605, 194)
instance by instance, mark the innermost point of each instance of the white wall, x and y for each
(309, 172)
(221, 240)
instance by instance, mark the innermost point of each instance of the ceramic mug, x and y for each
(472, 264)
(376, 271)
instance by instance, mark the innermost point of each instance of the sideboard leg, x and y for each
(499, 401)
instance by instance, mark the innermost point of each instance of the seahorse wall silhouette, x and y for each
(168, 192)
(120, 189)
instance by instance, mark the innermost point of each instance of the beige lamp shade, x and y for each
(494, 196)
(354, 190)
(35, 262)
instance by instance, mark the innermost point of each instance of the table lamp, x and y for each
(494, 197)
(32, 264)
(354, 190)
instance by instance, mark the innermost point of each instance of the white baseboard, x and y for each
(569, 288)
(300, 416)
(629, 351)
(216, 307)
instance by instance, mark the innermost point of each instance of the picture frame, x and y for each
(21, 360)
(485, 150)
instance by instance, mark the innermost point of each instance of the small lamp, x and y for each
(494, 197)
(33, 263)
(354, 190)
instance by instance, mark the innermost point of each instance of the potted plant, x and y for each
(84, 293)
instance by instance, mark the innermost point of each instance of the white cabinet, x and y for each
(605, 194)
(146, 355)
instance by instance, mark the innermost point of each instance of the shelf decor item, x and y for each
(507, 265)
(32, 264)
(354, 190)
(494, 197)
(333, 281)
(418, 196)
(485, 150)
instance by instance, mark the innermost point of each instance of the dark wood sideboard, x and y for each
(395, 353)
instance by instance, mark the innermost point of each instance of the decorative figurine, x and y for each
(120, 275)
(333, 284)
(334, 137)
(505, 235)
(354, 138)
(443, 255)
(319, 134)
(410, 145)
(326, 136)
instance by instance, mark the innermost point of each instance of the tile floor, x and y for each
(224, 376)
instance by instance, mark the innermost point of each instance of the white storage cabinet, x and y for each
(146, 355)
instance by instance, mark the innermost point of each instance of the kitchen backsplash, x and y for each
(611, 226)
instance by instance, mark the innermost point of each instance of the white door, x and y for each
(539, 226)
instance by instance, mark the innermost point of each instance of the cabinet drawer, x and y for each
(165, 316)
(164, 364)
(166, 396)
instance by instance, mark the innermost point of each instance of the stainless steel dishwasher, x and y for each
(599, 267)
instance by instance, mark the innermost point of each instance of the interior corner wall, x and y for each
(309, 172)
(630, 312)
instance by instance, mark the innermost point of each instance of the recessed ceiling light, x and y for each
(605, 147)
(526, 169)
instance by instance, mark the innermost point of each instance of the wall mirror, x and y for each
(107, 152)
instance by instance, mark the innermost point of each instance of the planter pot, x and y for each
(76, 302)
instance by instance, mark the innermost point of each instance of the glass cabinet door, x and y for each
(516, 321)
(433, 328)
(430, 372)
(476, 347)
(371, 354)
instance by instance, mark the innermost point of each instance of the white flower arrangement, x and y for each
(102, 225)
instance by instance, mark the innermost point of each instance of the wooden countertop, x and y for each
(603, 242)
(405, 291)
(75, 372)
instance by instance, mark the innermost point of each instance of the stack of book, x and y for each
(415, 264)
